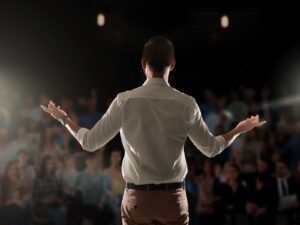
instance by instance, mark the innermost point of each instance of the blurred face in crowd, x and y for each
(115, 157)
(12, 171)
(275, 157)
(21, 132)
(232, 174)
(69, 162)
(92, 105)
(281, 169)
(44, 100)
(66, 104)
(217, 169)
(50, 167)
(3, 137)
(209, 95)
(207, 168)
(49, 134)
(262, 167)
(23, 158)
(91, 163)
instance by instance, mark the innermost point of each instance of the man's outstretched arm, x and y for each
(103, 131)
(210, 145)
(242, 127)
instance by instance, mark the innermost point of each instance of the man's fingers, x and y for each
(262, 123)
(45, 108)
(51, 104)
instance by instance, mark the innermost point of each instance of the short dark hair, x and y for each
(158, 53)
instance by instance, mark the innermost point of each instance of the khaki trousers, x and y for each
(163, 207)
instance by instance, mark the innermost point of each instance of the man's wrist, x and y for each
(64, 119)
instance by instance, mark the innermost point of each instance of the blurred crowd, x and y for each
(46, 178)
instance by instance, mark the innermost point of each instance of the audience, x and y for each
(45, 176)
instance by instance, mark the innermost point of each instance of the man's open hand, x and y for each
(249, 124)
(55, 111)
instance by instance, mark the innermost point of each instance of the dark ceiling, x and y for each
(55, 46)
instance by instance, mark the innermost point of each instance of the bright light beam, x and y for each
(287, 101)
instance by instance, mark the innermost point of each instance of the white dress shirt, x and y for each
(154, 121)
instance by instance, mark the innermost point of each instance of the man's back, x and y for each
(155, 123)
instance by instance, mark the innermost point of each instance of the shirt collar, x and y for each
(156, 80)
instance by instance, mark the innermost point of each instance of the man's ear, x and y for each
(172, 66)
(143, 63)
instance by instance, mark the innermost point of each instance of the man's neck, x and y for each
(153, 74)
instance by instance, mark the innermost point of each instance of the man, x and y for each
(154, 121)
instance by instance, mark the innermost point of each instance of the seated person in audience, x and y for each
(12, 208)
(91, 184)
(27, 173)
(205, 204)
(115, 183)
(282, 189)
(233, 196)
(259, 210)
(69, 173)
(48, 194)
(48, 146)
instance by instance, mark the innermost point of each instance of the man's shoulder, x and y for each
(173, 93)
(122, 96)
(183, 96)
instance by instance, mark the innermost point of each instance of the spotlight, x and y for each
(224, 21)
(100, 19)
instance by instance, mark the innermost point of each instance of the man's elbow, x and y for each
(87, 141)
(89, 146)
(213, 152)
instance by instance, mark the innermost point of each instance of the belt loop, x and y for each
(183, 184)
(126, 186)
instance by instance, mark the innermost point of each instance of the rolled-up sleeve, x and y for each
(201, 137)
(104, 130)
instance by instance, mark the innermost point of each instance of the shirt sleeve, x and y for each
(103, 131)
(202, 138)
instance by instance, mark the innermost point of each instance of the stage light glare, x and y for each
(100, 20)
(224, 21)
